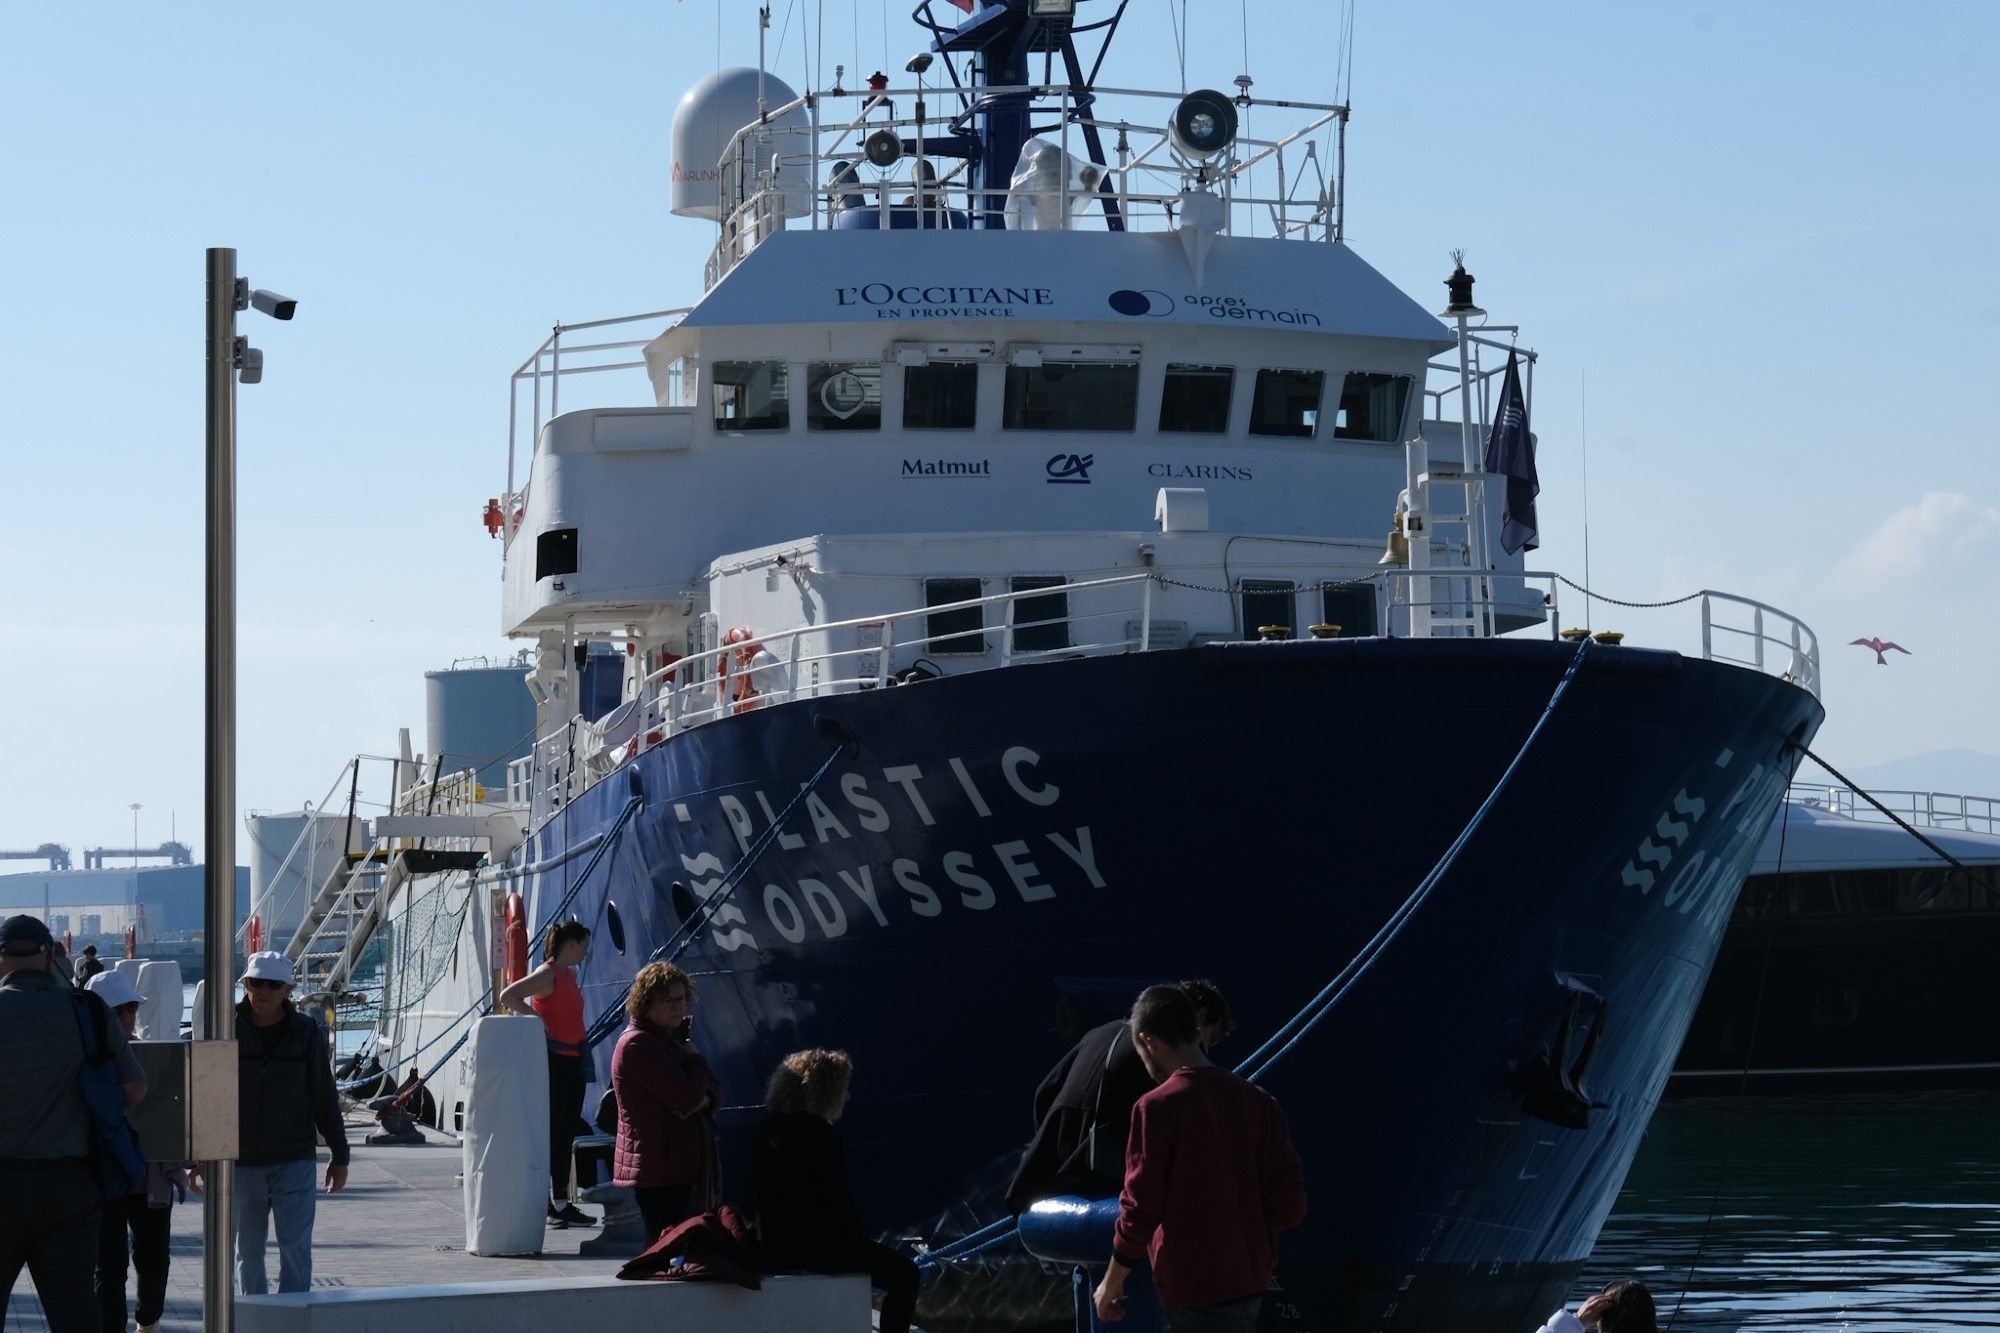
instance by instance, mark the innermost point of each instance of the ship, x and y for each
(1002, 622)
(1857, 955)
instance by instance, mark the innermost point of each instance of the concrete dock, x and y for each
(401, 1220)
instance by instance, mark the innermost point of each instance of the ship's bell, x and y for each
(1397, 551)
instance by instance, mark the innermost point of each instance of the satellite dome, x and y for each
(709, 116)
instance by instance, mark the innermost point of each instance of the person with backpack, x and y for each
(134, 1230)
(64, 1052)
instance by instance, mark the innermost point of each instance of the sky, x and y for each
(1753, 245)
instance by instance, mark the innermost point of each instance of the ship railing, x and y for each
(1105, 616)
(1949, 811)
(1733, 629)
(768, 174)
(1477, 379)
(272, 903)
(705, 685)
(459, 793)
(547, 367)
(1754, 634)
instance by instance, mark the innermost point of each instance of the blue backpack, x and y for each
(115, 1157)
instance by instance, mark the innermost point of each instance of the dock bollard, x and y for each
(1070, 1230)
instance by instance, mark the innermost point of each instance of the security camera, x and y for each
(249, 362)
(274, 305)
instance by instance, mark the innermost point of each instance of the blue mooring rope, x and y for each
(1294, 1029)
(484, 1004)
(677, 943)
(1334, 991)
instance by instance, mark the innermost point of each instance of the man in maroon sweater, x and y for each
(1210, 1179)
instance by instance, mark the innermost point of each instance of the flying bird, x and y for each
(1878, 645)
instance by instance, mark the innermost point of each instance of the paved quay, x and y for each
(400, 1220)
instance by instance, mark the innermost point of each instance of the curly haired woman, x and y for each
(667, 1097)
(798, 1181)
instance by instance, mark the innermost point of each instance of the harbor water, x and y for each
(1861, 1212)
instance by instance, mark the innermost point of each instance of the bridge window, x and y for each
(959, 632)
(1266, 602)
(1041, 622)
(843, 395)
(1286, 402)
(1072, 395)
(1196, 399)
(941, 395)
(1371, 406)
(749, 395)
(1353, 609)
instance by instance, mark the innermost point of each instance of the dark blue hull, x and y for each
(1008, 856)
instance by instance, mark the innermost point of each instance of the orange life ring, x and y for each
(732, 670)
(253, 935)
(514, 954)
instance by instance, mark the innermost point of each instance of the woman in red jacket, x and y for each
(667, 1098)
(551, 991)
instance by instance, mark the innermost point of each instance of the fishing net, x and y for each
(422, 929)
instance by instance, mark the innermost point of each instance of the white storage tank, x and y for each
(479, 715)
(710, 114)
(305, 845)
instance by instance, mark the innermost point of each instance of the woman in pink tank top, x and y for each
(551, 991)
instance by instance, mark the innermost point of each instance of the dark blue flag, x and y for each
(1510, 452)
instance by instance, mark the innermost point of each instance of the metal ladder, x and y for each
(1457, 601)
(344, 915)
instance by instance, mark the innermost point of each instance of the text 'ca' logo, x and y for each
(1070, 469)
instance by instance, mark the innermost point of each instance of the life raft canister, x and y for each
(514, 942)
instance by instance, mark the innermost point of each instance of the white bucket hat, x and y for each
(269, 965)
(114, 988)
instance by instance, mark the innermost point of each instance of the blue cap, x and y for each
(23, 935)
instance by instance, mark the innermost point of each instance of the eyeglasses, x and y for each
(258, 983)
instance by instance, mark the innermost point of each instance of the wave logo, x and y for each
(1143, 302)
(1070, 469)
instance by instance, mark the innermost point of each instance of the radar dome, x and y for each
(709, 116)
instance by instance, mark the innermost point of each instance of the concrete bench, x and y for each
(600, 1304)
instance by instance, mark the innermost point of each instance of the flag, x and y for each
(1510, 452)
(965, 5)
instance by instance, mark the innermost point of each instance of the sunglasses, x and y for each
(256, 983)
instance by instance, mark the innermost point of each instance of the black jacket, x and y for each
(806, 1216)
(285, 1090)
(1102, 1076)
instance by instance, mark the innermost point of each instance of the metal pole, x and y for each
(218, 1230)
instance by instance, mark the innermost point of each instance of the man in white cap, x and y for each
(48, 1192)
(284, 1092)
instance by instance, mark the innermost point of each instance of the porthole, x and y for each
(684, 904)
